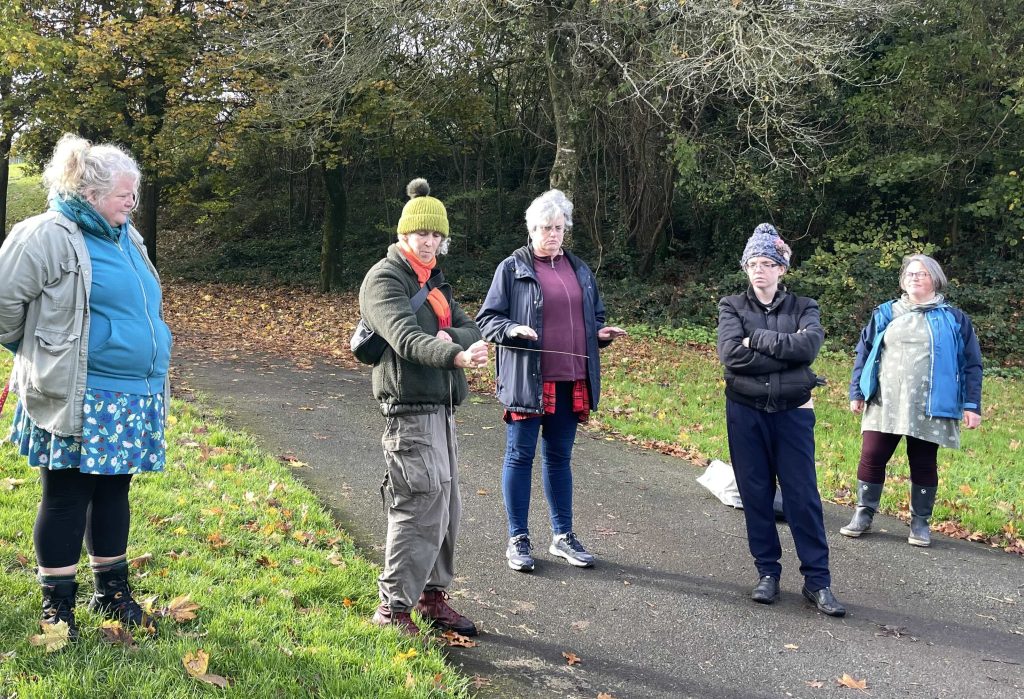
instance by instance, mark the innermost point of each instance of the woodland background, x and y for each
(277, 137)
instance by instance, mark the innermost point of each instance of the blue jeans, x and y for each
(558, 432)
(778, 448)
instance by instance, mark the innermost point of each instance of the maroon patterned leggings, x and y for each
(878, 447)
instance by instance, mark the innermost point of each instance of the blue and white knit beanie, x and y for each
(766, 243)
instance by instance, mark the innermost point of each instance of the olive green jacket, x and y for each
(417, 372)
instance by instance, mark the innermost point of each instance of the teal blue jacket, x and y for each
(955, 367)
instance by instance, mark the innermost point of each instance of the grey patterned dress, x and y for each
(898, 406)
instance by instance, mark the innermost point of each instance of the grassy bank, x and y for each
(283, 598)
(25, 196)
(664, 388)
(670, 392)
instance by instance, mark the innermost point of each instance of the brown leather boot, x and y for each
(433, 605)
(385, 616)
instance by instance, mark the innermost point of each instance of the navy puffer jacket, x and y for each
(774, 373)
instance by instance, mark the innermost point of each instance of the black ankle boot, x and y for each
(113, 598)
(59, 604)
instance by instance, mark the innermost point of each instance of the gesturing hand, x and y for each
(475, 356)
(523, 331)
(856, 406)
(610, 332)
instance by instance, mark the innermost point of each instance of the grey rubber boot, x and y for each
(922, 502)
(868, 497)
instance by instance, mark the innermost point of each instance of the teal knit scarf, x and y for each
(88, 219)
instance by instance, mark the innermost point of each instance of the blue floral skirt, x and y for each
(121, 433)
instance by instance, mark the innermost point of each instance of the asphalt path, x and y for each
(666, 610)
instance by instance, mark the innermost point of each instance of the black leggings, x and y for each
(878, 447)
(77, 505)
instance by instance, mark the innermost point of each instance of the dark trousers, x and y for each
(878, 447)
(79, 506)
(557, 433)
(770, 448)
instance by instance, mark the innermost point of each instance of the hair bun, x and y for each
(419, 187)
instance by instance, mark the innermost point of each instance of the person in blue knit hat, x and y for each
(80, 307)
(767, 339)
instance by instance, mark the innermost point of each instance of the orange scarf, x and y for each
(435, 298)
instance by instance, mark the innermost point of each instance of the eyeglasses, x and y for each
(916, 275)
(754, 266)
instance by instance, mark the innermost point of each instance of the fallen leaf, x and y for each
(892, 630)
(346, 602)
(847, 681)
(604, 695)
(483, 491)
(791, 646)
(453, 638)
(814, 684)
(112, 632)
(196, 665)
(181, 609)
(571, 658)
(479, 682)
(11, 483)
(406, 655)
(141, 561)
(53, 638)
(265, 562)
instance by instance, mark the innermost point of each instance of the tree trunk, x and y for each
(149, 203)
(5, 175)
(558, 56)
(335, 220)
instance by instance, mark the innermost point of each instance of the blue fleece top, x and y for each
(129, 343)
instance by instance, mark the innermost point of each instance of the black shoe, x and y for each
(825, 601)
(113, 599)
(59, 605)
(766, 591)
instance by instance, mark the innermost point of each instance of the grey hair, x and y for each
(546, 207)
(78, 167)
(930, 266)
(442, 249)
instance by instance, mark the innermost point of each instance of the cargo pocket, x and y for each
(53, 364)
(412, 465)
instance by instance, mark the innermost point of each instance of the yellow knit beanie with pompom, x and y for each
(422, 212)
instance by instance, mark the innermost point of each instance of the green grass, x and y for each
(284, 599)
(25, 196)
(671, 391)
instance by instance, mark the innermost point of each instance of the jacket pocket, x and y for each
(413, 467)
(53, 365)
(63, 292)
(125, 347)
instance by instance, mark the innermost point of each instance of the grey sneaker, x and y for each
(518, 553)
(567, 546)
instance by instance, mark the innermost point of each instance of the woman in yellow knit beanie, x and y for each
(418, 381)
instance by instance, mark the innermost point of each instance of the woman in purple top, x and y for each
(546, 316)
